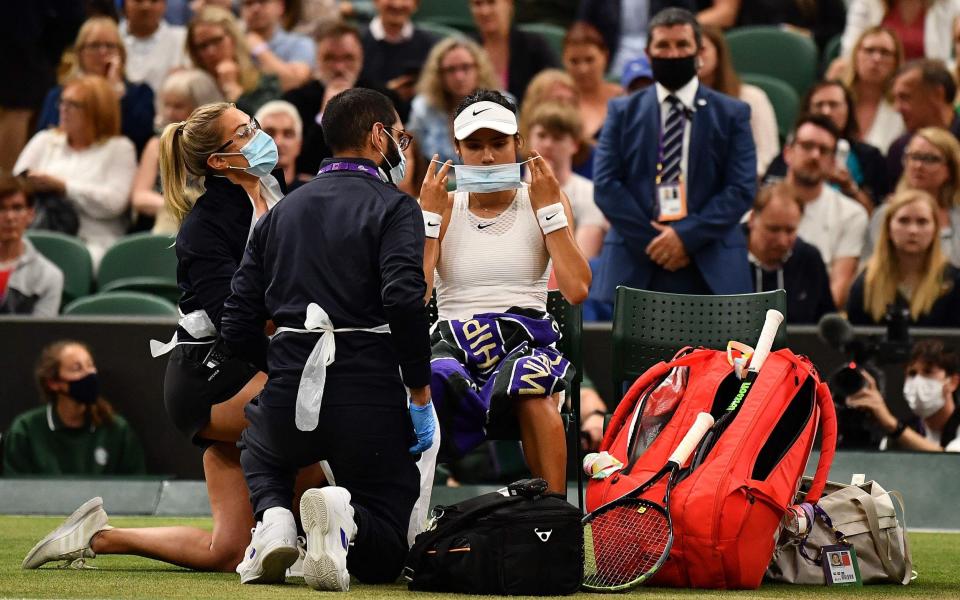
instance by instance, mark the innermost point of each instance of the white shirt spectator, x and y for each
(151, 58)
(579, 191)
(937, 25)
(98, 181)
(835, 224)
(763, 124)
(887, 126)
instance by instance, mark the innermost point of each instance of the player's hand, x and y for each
(433, 191)
(544, 187)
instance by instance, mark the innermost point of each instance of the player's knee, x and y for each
(226, 559)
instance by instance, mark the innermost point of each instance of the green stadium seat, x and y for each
(453, 13)
(786, 103)
(438, 29)
(133, 304)
(830, 52)
(142, 262)
(71, 256)
(649, 327)
(774, 52)
(553, 33)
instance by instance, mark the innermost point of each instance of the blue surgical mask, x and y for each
(261, 154)
(398, 171)
(484, 179)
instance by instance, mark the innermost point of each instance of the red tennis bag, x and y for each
(726, 511)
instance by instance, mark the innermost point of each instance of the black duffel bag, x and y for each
(525, 543)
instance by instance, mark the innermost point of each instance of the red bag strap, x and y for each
(828, 442)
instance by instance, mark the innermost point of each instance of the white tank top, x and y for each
(489, 265)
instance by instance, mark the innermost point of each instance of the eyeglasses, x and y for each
(877, 51)
(810, 146)
(206, 45)
(924, 158)
(405, 138)
(95, 46)
(464, 68)
(71, 104)
(244, 132)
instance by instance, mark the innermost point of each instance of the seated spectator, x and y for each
(819, 19)
(554, 133)
(933, 166)
(637, 75)
(180, 93)
(455, 68)
(907, 270)
(862, 176)
(780, 259)
(394, 49)
(585, 58)
(86, 162)
(290, 57)
(339, 62)
(717, 72)
(217, 46)
(154, 47)
(77, 432)
(876, 58)
(835, 224)
(923, 26)
(923, 94)
(100, 51)
(29, 283)
(313, 14)
(281, 121)
(517, 56)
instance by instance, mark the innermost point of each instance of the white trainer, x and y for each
(273, 548)
(327, 519)
(71, 540)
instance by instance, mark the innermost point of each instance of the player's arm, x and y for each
(436, 203)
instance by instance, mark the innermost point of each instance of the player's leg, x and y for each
(544, 442)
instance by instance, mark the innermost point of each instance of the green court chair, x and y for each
(453, 13)
(553, 33)
(772, 51)
(649, 327)
(786, 103)
(128, 304)
(440, 30)
(71, 256)
(141, 262)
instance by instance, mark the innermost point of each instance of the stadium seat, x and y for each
(453, 14)
(553, 33)
(830, 51)
(784, 99)
(438, 29)
(71, 256)
(772, 51)
(122, 304)
(142, 262)
(649, 327)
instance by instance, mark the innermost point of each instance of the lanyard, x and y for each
(349, 166)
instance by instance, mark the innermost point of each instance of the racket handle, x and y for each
(700, 427)
(770, 327)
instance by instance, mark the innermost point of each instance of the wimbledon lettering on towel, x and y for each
(476, 334)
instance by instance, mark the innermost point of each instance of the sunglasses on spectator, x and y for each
(244, 132)
(404, 138)
(810, 146)
(924, 158)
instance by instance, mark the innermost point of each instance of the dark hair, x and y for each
(486, 96)
(821, 121)
(935, 353)
(672, 16)
(582, 32)
(47, 369)
(725, 78)
(336, 29)
(933, 73)
(351, 114)
(852, 129)
(10, 185)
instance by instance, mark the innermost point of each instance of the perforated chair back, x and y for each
(649, 327)
(71, 256)
(141, 262)
(128, 304)
(771, 51)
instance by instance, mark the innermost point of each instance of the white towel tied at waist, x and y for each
(310, 392)
(197, 324)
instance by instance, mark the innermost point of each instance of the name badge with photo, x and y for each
(840, 566)
(672, 200)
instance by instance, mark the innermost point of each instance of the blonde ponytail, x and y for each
(184, 148)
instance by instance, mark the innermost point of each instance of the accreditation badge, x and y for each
(672, 200)
(840, 565)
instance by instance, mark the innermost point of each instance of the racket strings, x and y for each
(624, 544)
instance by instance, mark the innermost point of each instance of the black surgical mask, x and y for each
(85, 390)
(674, 73)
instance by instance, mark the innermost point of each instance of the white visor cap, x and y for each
(484, 115)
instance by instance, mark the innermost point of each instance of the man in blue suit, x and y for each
(674, 172)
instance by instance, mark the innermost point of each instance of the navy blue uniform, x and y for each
(354, 245)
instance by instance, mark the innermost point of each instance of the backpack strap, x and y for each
(828, 442)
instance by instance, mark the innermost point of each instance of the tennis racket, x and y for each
(628, 539)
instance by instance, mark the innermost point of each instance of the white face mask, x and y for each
(485, 179)
(924, 395)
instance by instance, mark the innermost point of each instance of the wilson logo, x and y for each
(744, 388)
(543, 535)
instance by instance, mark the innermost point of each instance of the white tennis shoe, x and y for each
(327, 519)
(296, 569)
(272, 549)
(71, 540)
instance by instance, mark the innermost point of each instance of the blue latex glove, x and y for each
(424, 424)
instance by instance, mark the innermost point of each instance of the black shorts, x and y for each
(190, 389)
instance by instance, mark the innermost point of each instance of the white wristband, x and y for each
(431, 224)
(552, 218)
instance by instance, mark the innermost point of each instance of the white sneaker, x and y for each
(273, 548)
(296, 569)
(327, 518)
(71, 540)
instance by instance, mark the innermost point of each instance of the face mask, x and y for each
(484, 179)
(396, 172)
(261, 154)
(924, 395)
(673, 73)
(85, 390)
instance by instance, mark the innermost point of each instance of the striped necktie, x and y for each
(672, 144)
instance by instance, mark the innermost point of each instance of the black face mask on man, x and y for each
(674, 73)
(85, 390)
